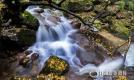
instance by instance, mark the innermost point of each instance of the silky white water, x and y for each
(52, 38)
(130, 56)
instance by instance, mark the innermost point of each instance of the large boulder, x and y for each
(93, 53)
(55, 65)
(21, 35)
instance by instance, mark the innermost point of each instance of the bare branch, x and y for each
(101, 13)
(71, 13)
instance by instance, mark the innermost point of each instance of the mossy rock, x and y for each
(113, 9)
(79, 6)
(120, 28)
(98, 24)
(98, 8)
(26, 36)
(55, 65)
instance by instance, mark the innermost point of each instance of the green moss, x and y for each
(26, 36)
(98, 24)
(119, 26)
(55, 65)
(29, 18)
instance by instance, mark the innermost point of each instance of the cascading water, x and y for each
(129, 57)
(52, 38)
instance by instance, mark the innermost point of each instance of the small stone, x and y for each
(76, 25)
(39, 10)
(34, 56)
(28, 52)
(53, 19)
(24, 62)
(120, 15)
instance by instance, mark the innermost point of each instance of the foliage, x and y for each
(126, 4)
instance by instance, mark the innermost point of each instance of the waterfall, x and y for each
(52, 38)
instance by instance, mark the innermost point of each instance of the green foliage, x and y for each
(126, 4)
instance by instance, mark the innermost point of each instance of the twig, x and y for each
(101, 13)
(71, 13)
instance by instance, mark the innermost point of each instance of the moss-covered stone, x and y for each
(113, 9)
(98, 24)
(26, 36)
(98, 8)
(79, 6)
(55, 65)
(119, 26)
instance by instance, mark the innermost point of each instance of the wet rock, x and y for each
(73, 76)
(24, 62)
(28, 52)
(76, 24)
(130, 72)
(34, 56)
(53, 19)
(55, 65)
(132, 36)
(91, 54)
(39, 10)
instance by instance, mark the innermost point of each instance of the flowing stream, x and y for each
(130, 56)
(52, 38)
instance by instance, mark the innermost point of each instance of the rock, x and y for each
(92, 54)
(98, 8)
(28, 52)
(119, 26)
(113, 9)
(24, 62)
(21, 35)
(98, 24)
(26, 36)
(39, 10)
(132, 36)
(34, 56)
(8, 47)
(76, 24)
(53, 19)
(73, 76)
(78, 7)
(55, 65)
(130, 72)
